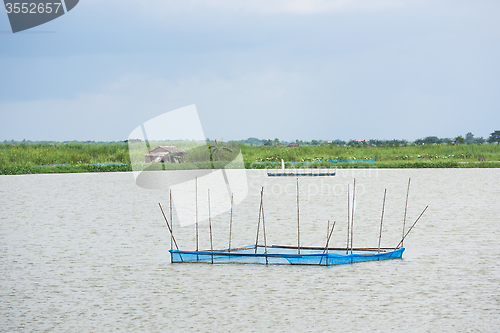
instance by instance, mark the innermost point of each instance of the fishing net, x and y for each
(279, 255)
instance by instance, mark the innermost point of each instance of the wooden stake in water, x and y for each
(352, 214)
(348, 217)
(196, 210)
(381, 220)
(171, 219)
(298, 219)
(327, 229)
(406, 208)
(263, 223)
(210, 227)
(329, 236)
(326, 246)
(258, 224)
(169, 228)
(230, 223)
(401, 242)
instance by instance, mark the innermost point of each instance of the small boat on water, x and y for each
(302, 173)
(291, 255)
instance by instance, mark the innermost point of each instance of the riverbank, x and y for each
(76, 157)
(24, 170)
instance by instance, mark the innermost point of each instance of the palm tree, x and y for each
(216, 149)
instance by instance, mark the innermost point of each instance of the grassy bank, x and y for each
(72, 157)
(25, 170)
(73, 153)
(26, 158)
(410, 153)
(379, 165)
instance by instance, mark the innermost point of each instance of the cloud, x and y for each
(257, 75)
(126, 102)
(256, 6)
(304, 6)
(264, 103)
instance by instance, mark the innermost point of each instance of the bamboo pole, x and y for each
(401, 242)
(327, 229)
(258, 224)
(406, 209)
(329, 236)
(230, 223)
(196, 212)
(298, 219)
(381, 220)
(352, 214)
(348, 217)
(264, 224)
(210, 227)
(327, 241)
(169, 228)
(171, 219)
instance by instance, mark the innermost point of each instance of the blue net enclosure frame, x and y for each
(290, 255)
(284, 255)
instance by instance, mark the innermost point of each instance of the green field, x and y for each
(28, 158)
(413, 156)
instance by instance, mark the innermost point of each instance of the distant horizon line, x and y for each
(251, 139)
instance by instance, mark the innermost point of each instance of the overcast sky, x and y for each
(298, 69)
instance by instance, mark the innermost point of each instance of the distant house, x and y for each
(293, 145)
(165, 154)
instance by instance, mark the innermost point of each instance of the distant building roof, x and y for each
(165, 154)
(162, 150)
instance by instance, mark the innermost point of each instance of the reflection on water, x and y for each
(89, 252)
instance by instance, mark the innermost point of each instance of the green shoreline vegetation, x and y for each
(431, 152)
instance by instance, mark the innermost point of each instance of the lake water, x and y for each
(89, 253)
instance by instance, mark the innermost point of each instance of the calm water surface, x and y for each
(89, 253)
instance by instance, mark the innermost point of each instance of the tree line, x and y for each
(469, 138)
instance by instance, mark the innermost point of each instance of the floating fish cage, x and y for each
(285, 255)
(290, 255)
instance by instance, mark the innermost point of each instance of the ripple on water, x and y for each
(89, 252)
